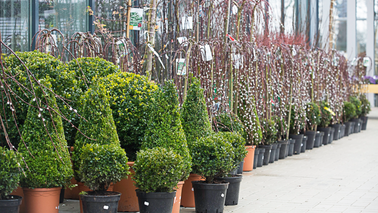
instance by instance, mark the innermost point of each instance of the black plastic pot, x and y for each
(318, 137)
(61, 197)
(343, 127)
(310, 139)
(291, 147)
(268, 151)
(352, 124)
(232, 195)
(348, 128)
(260, 158)
(336, 134)
(327, 134)
(364, 124)
(256, 157)
(360, 125)
(298, 143)
(240, 168)
(284, 149)
(155, 202)
(330, 138)
(273, 153)
(278, 151)
(11, 205)
(208, 197)
(304, 144)
(107, 203)
(356, 125)
(321, 138)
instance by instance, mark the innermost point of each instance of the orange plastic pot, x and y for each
(20, 193)
(187, 197)
(42, 200)
(129, 199)
(177, 201)
(248, 160)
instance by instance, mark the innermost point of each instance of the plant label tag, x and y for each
(187, 23)
(193, 189)
(106, 207)
(329, 135)
(270, 151)
(146, 203)
(263, 157)
(366, 61)
(206, 53)
(174, 200)
(222, 195)
(181, 66)
(302, 144)
(183, 40)
(56, 207)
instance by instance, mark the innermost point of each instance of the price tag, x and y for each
(106, 207)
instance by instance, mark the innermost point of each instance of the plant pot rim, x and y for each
(11, 198)
(110, 194)
(42, 189)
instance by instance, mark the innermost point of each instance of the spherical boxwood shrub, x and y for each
(313, 115)
(269, 131)
(130, 98)
(98, 128)
(365, 105)
(194, 117)
(10, 171)
(158, 170)
(164, 127)
(357, 103)
(238, 143)
(229, 122)
(102, 165)
(45, 151)
(326, 115)
(213, 156)
(349, 111)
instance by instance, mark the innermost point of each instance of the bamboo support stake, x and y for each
(151, 37)
(128, 19)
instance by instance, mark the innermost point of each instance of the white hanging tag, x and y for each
(183, 40)
(353, 62)
(234, 9)
(181, 66)
(366, 61)
(238, 61)
(206, 53)
(157, 55)
(136, 18)
(187, 23)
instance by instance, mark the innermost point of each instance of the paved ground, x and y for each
(339, 177)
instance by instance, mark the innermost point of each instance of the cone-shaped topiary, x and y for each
(45, 151)
(357, 103)
(10, 171)
(349, 111)
(365, 105)
(164, 127)
(312, 115)
(326, 115)
(238, 143)
(99, 127)
(194, 117)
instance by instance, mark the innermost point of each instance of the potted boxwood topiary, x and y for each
(237, 142)
(313, 119)
(326, 117)
(357, 122)
(164, 129)
(196, 124)
(269, 140)
(157, 172)
(102, 165)
(45, 153)
(349, 112)
(213, 157)
(365, 109)
(10, 174)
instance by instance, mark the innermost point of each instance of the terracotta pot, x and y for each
(20, 192)
(81, 187)
(42, 200)
(129, 199)
(248, 160)
(187, 197)
(177, 201)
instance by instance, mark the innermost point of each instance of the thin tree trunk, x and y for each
(151, 37)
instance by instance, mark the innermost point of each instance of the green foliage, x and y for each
(248, 115)
(45, 153)
(349, 111)
(269, 131)
(102, 165)
(194, 117)
(326, 115)
(158, 170)
(357, 103)
(281, 127)
(365, 105)
(297, 120)
(229, 122)
(164, 127)
(213, 156)
(313, 116)
(238, 143)
(99, 127)
(130, 98)
(10, 171)
(40, 65)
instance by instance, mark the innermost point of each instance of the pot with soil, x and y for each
(337, 132)
(232, 195)
(330, 138)
(297, 143)
(311, 135)
(317, 142)
(304, 144)
(256, 157)
(260, 158)
(278, 151)
(348, 128)
(284, 149)
(249, 159)
(291, 147)
(364, 123)
(327, 134)
(272, 156)
(268, 151)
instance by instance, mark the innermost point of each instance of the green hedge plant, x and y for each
(10, 171)
(45, 151)
(158, 170)
(213, 157)
(164, 127)
(102, 165)
(326, 115)
(269, 131)
(357, 103)
(229, 122)
(238, 144)
(313, 115)
(130, 98)
(349, 111)
(194, 117)
(99, 126)
(365, 105)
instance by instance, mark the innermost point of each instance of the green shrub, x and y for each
(130, 98)
(297, 120)
(269, 131)
(326, 115)
(158, 170)
(238, 144)
(164, 127)
(248, 115)
(229, 122)
(194, 117)
(99, 127)
(213, 156)
(10, 171)
(365, 105)
(281, 127)
(46, 154)
(349, 111)
(102, 165)
(357, 103)
(313, 115)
